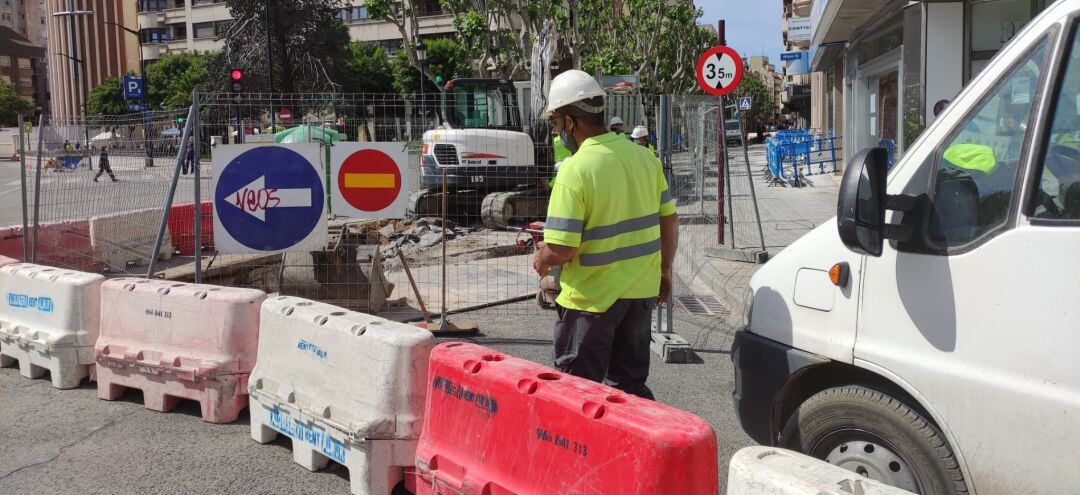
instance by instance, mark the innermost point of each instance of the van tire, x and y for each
(854, 414)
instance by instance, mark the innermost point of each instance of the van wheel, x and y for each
(877, 436)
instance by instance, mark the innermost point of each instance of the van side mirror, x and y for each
(861, 205)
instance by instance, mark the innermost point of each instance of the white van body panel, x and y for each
(803, 321)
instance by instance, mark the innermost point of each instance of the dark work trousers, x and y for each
(610, 347)
(189, 163)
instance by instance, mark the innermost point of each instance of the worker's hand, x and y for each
(665, 289)
(538, 264)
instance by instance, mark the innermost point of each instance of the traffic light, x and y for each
(180, 120)
(236, 80)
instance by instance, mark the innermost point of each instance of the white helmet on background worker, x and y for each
(573, 87)
(639, 132)
(616, 120)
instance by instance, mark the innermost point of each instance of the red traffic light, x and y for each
(236, 74)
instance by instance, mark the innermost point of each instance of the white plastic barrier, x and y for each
(773, 471)
(345, 386)
(49, 321)
(128, 237)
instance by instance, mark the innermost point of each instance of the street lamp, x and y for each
(71, 14)
(148, 161)
(421, 56)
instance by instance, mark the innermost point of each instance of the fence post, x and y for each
(172, 191)
(37, 187)
(198, 187)
(22, 181)
(750, 179)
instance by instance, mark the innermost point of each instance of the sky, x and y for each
(753, 26)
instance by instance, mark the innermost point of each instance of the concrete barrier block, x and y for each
(344, 386)
(774, 471)
(49, 320)
(178, 341)
(128, 237)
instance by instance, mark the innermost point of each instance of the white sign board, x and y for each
(799, 29)
(369, 180)
(268, 198)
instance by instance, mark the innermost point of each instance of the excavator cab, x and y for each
(472, 103)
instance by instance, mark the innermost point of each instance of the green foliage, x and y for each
(367, 69)
(763, 103)
(107, 98)
(445, 58)
(11, 104)
(171, 79)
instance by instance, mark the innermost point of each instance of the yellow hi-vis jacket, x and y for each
(607, 202)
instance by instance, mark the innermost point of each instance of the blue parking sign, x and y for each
(133, 88)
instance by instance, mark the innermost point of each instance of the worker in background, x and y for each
(641, 135)
(616, 126)
(103, 164)
(611, 226)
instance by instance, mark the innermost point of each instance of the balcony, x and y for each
(800, 8)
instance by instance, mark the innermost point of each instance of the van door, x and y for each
(978, 316)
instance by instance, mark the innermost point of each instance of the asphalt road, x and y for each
(69, 441)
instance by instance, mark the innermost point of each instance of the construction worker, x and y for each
(616, 126)
(612, 227)
(641, 135)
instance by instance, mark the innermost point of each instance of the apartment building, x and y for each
(774, 82)
(798, 83)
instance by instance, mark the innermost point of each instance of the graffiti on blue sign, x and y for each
(326, 444)
(304, 345)
(24, 301)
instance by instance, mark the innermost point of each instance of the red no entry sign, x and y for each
(369, 180)
(719, 70)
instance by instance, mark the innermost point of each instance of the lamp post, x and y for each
(148, 160)
(71, 14)
(421, 56)
(75, 61)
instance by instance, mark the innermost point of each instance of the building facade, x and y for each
(796, 98)
(773, 81)
(888, 64)
(26, 17)
(86, 45)
(169, 26)
(22, 65)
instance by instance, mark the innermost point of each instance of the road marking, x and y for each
(11, 190)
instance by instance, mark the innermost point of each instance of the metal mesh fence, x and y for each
(477, 185)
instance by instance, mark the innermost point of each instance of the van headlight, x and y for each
(747, 309)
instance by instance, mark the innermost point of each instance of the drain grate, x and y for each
(702, 305)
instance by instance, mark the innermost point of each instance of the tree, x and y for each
(171, 79)
(367, 69)
(107, 98)
(500, 33)
(308, 40)
(11, 104)
(445, 58)
(763, 104)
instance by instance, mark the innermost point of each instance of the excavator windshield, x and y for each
(481, 104)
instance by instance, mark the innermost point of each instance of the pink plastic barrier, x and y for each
(65, 244)
(4, 260)
(178, 341)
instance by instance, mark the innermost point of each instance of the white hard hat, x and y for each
(639, 132)
(570, 88)
(615, 120)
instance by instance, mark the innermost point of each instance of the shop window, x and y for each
(992, 23)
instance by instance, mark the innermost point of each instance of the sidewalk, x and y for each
(787, 213)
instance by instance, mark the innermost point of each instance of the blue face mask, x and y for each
(568, 140)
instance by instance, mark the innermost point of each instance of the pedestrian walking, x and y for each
(103, 164)
(189, 157)
(611, 226)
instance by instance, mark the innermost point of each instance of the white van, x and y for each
(929, 336)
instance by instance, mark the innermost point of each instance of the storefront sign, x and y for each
(798, 29)
(796, 62)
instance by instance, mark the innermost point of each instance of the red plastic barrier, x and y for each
(4, 260)
(174, 340)
(498, 425)
(65, 243)
(182, 226)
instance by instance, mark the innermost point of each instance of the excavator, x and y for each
(484, 157)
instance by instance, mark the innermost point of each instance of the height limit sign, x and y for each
(719, 70)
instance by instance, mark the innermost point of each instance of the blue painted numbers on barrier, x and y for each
(561, 441)
(304, 345)
(326, 444)
(44, 304)
(461, 393)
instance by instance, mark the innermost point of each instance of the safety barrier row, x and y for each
(370, 394)
(113, 240)
(792, 155)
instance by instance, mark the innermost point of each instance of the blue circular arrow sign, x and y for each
(269, 198)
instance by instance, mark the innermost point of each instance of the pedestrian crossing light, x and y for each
(180, 120)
